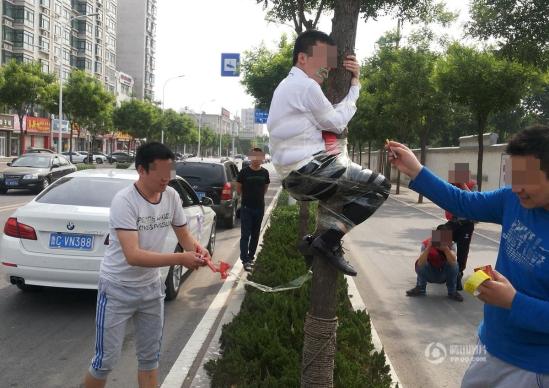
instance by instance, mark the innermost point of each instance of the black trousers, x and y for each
(462, 231)
(347, 193)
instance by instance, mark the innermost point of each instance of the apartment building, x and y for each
(59, 32)
(135, 52)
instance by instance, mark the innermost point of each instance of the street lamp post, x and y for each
(163, 97)
(60, 139)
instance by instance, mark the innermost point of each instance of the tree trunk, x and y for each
(70, 143)
(21, 135)
(423, 157)
(481, 126)
(369, 154)
(360, 154)
(321, 321)
(353, 152)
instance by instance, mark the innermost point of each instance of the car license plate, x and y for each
(11, 182)
(200, 194)
(83, 242)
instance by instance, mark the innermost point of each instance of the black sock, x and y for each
(332, 237)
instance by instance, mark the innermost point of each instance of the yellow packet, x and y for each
(474, 281)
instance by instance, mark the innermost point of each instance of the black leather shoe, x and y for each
(334, 255)
(304, 247)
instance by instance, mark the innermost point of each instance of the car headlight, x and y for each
(30, 176)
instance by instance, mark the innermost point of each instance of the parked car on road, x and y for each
(34, 171)
(120, 157)
(97, 157)
(76, 156)
(58, 239)
(38, 151)
(216, 180)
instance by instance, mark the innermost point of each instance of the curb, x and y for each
(189, 365)
(358, 304)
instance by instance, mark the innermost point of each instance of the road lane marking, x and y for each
(358, 304)
(182, 366)
(440, 218)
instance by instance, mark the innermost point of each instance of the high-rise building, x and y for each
(135, 52)
(46, 31)
(249, 129)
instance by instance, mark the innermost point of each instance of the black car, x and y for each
(120, 157)
(34, 171)
(214, 179)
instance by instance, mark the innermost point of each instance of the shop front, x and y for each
(38, 132)
(6, 132)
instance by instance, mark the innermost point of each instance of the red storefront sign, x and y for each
(38, 124)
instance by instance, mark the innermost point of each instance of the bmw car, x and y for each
(59, 238)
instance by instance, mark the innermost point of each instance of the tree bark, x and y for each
(317, 370)
(21, 135)
(369, 154)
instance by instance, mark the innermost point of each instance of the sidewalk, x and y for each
(410, 197)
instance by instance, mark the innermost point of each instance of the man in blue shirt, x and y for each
(515, 328)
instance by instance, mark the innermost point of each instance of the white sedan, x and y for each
(77, 157)
(58, 239)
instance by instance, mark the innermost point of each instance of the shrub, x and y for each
(82, 166)
(262, 346)
(123, 165)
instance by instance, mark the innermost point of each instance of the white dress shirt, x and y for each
(298, 114)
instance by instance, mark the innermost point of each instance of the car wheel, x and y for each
(211, 242)
(173, 282)
(230, 221)
(44, 185)
(3, 190)
(99, 161)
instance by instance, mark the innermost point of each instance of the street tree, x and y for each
(139, 119)
(22, 87)
(483, 83)
(520, 28)
(86, 103)
(263, 70)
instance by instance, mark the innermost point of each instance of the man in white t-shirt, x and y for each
(130, 285)
(303, 128)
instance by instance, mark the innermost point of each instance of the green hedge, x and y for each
(82, 166)
(262, 346)
(123, 165)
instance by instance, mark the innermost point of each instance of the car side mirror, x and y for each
(206, 201)
(8, 164)
(55, 165)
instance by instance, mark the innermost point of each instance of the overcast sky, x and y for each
(191, 35)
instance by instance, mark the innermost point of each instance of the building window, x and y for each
(44, 22)
(24, 39)
(44, 43)
(8, 34)
(45, 66)
(24, 15)
(66, 36)
(66, 55)
(111, 43)
(58, 8)
(98, 67)
(45, 3)
(84, 64)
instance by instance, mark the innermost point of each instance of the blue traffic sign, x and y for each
(230, 64)
(261, 116)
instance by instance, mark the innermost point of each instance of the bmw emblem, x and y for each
(70, 226)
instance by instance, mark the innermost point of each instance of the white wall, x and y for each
(441, 160)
